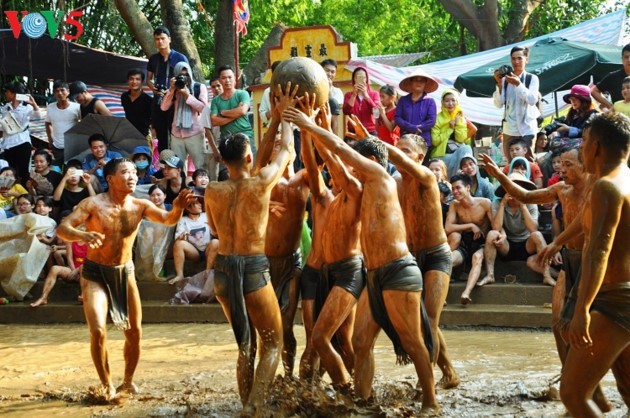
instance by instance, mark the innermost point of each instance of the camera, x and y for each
(162, 89)
(553, 126)
(181, 81)
(505, 70)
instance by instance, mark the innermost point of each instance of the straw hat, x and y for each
(519, 179)
(431, 86)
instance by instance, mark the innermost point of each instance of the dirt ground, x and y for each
(188, 370)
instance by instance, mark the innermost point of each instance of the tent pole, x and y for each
(555, 101)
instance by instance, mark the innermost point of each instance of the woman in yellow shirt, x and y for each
(450, 129)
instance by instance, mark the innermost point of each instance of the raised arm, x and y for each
(155, 214)
(406, 164)
(271, 173)
(539, 196)
(368, 168)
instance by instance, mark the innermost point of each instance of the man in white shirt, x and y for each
(517, 93)
(60, 117)
(335, 94)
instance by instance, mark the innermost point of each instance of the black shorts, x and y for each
(308, 282)
(438, 258)
(469, 245)
(517, 252)
(251, 281)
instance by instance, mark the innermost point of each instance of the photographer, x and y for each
(187, 131)
(517, 93)
(159, 72)
(567, 132)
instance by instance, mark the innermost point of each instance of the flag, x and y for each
(241, 15)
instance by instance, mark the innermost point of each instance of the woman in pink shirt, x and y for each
(362, 101)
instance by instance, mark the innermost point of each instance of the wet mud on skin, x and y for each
(188, 370)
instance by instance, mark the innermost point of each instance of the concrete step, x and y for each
(502, 294)
(162, 312)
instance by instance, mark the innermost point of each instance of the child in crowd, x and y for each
(70, 192)
(556, 163)
(439, 169)
(200, 178)
(518, 148)
(192, 239)
(542, 145)
(10, 188)
(386, 128)
(43, 207)
(623, 106)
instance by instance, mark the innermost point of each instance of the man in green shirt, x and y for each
(229, 110)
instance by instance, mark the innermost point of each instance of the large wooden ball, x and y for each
(306, 73)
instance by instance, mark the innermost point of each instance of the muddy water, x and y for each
(189, 370)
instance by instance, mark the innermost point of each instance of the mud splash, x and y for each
(188, 370)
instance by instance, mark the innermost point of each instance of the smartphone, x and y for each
(22, 97)
(78, 173)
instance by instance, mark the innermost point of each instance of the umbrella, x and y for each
(558, 63)
(120, 135)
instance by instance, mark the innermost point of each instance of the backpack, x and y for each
(197, 89)
(539, 102)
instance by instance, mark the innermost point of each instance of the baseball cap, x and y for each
(76, 88)
(173, 162)
(165, 154)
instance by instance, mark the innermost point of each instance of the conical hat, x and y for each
(431, 86)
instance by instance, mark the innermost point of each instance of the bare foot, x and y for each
(465, 300)
(449, 382)
(176, 279)
(600, 399)
(549, 281)
(129, 388)
(40, 301)
(486, 280)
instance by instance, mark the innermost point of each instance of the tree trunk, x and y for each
(224, 35)
(518, 22)
(139, 25)
(181, 34)
(259, 63)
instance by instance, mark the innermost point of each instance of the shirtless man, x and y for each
(469, 219)
(283, 236)
(107, 278)
(599, 333)
(343, 273)
(419, 197)
(394, 279)
(238, 210)
(572, 193)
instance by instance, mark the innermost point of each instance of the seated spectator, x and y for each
(157, 195)
(200, 178)
(362, 101)
(623, 106)
(76, 253)
(556, 163)
(24, 203)
(518, 148)
(416, 112)
(192, 239)
(70, 191)
(153, 241)
(445, 199)
(141, 157)
(174, 180)
(480, 186)
(450, 130)
(439, 169)
(43, 180)
(515, 235)
(468, 221)
(100, 156)
(542, 144)
(386, 128)
(10, 189)
(44, 207)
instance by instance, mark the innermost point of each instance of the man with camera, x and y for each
(187, 131)
(159, 72)
(517, 93)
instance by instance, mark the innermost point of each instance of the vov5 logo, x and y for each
(34, 24)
